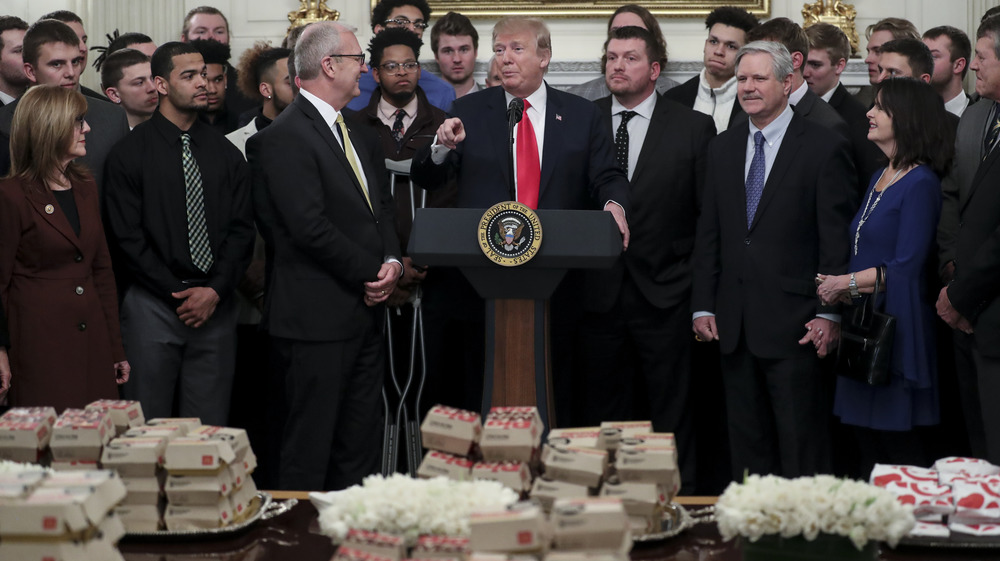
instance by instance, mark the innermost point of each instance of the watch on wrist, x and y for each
(853, 287)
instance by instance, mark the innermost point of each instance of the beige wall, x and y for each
(576, 42)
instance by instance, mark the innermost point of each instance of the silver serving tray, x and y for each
(676, 519)
(262, 507)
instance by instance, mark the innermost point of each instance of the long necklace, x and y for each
(867, 213)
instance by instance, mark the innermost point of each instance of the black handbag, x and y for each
(866, 341)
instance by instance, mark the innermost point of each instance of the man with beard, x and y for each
(177, 201)
(635, 330)
(216, 57)
(455, 43)
(13, 81)
(127, 81)
(263, 76)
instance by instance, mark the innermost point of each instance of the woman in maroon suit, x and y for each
(55, 271)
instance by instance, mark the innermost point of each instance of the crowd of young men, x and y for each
(289, 318)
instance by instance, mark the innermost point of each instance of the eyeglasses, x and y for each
(360, 58)
(81, 122)
(408, 67)
(403, 22)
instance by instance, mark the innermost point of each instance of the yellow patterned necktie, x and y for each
(349, 151)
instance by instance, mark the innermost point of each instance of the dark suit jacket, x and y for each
(686, 93)
(108, 125)
(957, 184)
(323, 240)
(868, 158)
(666, 190)
(976, 242)
(759, 280)
(578, 165)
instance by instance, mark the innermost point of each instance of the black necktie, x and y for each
(621, 140)
(397, 128)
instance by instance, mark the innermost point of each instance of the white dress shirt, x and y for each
(387, 113)
(957, 104)
(330, 115)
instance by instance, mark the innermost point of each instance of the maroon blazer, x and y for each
(59, 294)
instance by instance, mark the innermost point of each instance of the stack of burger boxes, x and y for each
(25, 433)
(124, 414)
(451, 437)
(596, 525)
(139, 462)
(78, 438)
(518, 529)
(441, 547)
(510, 446)
(65, 515)
(240, 469)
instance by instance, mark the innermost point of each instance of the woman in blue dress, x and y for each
(894, 229)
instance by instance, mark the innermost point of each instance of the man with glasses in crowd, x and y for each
(411, 15)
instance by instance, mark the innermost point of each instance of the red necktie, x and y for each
(528, 171)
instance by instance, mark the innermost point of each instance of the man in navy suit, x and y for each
(571, 150)
(779, 196)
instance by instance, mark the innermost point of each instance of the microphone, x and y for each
(514, 113)
(515, 110)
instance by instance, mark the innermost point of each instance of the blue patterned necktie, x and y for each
(755, 179)
(198, 245)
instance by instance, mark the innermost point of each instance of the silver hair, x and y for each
(781, 60)
(318, 41)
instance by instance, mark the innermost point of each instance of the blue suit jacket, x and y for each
(578, 165)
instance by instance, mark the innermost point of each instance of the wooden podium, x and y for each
(517, 369)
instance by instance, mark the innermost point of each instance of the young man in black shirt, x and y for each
(178, 209)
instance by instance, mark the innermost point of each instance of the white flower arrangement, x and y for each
(409, 507)
(809, 505)
(7, 466)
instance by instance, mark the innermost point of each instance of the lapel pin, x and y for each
(558, 117)
(49, 209)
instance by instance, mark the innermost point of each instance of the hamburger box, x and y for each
(134, 457)
(249, 462)
(238, 473)
(660, 439)
(143, 490)
(125, 414)
(30, 477)
(649, 464)
(511, 433)
(583, 466)
(186, 423)
(198, 517)
(450, 430)
(595, 524)
(61, 512)
(12, 492)
(440, 547)
(379, 544)
(47, 414)
(198, 489)
(80, 435)
(442, 464)
(242, 498)
(189, 453)
(75, 465)
(546, 491)
(639, 499)
(104, 484)
(613, 431)
(167, 432)
(140, 518)
(585, 437)
(23, 439)
(514, 475)
(512, 530)
(237, 438)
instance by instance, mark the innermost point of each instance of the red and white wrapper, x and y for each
(929, 530)
(945, 478)
(926, 498)
(883, 474)
(974, 529)
(971, 466)
(977, 500)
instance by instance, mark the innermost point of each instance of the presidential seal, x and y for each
(510, 234)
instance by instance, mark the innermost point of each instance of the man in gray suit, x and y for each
(803, 101)
(52, 58)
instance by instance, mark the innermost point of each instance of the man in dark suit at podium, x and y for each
(563, 152)
(779, 196)
(635, 329)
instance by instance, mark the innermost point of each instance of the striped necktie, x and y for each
(198, 243)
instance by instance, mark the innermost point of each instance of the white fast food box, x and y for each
(583, 437)
(546, 491)
(197, 454)
(80, 434)
(140, 518)
(511, 433)
(241, 498)
(20, 438)
(450, 430)
(443, 464)
(134, 457)
(513, 474)
(514, 530)
(583, 466)
(596, 524)
(124, 413)
(649, 464)
(237, 438)
(638, 498)
(187, 423)
(198, 489)
(198, 517)
(143, 490)
(59, 512)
